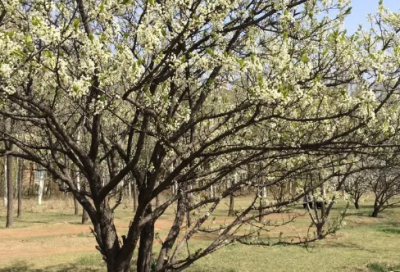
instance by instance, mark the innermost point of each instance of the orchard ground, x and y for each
(50, 238)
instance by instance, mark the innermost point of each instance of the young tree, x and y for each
(385, 185)
(186, 94)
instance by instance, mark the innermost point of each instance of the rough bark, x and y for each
(145, 251)
(172, 235)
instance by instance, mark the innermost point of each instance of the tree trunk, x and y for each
(134, 197)
(76, 207)
(356, 205)
(260, 212)
(157, 201)
(231, 211)
(375, 212)
(5, 182)
(20, 178)
(120, 267)
(85, 216)
(319, 227)
(172, 235)
(145, 254)
(129, 190)
(10, 193)
(41, 186)
(108, 241)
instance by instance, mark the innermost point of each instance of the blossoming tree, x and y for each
(188, 93)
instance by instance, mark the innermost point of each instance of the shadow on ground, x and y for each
(25, 267)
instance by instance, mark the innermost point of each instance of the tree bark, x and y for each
(85, 216)
(10, 193)
(41, 186)
(76, 207)
(375, 212)
(172, 235)
(356, 205)
(20, 178)
(5, 197)
(231, 211)
(134, 194)
(145, 251)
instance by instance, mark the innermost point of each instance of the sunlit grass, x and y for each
(51, 238)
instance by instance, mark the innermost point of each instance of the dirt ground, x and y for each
(45, 239)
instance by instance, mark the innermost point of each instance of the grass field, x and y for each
(51, 238)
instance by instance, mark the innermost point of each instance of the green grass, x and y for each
(363, 244)
(379, 267)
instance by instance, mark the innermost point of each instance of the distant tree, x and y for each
(10, 191)
(20, 179)
(385, 185)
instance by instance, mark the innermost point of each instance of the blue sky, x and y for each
(362, 7)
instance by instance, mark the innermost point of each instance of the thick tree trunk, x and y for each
(20, 178)
(319, 227)
(108, 240)
(121, 267)
(10, 193)
(145, 253)
(375, 212)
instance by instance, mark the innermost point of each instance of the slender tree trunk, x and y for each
(20, 179)
(78, 186)
(31, 189)
(76, 206)
(5, 182)
(172, 235)
(10, 193)
(231, 211)
(130, 190)
(85, 216)
(134, 197)
(41, 186)
(261, 211)
(157, 201)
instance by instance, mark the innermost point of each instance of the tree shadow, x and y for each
(25, 267)
(350, 246)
